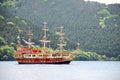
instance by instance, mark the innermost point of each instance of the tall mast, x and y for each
(29, 42)
(29, 39)
(44, 39)
(19, 44)
(61, 41)
(18, 37)
(78, 46)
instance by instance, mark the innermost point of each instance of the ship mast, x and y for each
(78, 47)
(18, 37)
(29, 42)
(61, 41)
(44, 39)
(19, 44)
(29, 39)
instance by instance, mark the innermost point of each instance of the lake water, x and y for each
(77, 70)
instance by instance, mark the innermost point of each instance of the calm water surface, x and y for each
(77, 70)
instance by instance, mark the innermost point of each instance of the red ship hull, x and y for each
(43, 61)
(60, 62)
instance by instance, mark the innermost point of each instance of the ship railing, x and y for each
(47, 56)
(31, 56)
(37, 55)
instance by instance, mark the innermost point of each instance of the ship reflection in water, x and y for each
(77, 70)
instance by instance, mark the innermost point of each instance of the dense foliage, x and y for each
(90, 56)
(6, 52)
(96, 26)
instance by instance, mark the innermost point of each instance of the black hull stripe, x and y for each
(62, 62)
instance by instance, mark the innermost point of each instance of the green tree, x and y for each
(6, 53)
(2, 42)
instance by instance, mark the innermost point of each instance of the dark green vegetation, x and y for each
(6, 52)
(96, 26)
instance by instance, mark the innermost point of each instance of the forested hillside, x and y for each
(12, 25)
(96, 26)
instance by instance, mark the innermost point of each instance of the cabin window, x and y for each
(53, 54)
(40, 55)
(33, 55)
(29, 55)
(45, 55)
